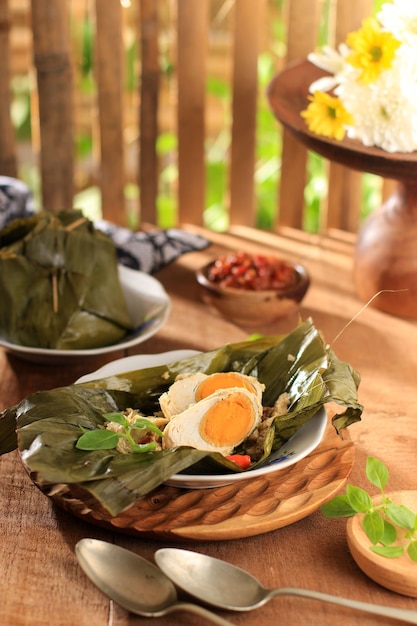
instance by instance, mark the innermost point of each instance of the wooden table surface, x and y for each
(40, 580)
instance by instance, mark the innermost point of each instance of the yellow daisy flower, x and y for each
(326, 115)
(373, 50)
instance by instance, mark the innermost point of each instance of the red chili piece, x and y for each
(252, 271)
(242, 460)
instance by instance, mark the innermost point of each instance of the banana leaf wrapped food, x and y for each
(49, 423)
(59, 284)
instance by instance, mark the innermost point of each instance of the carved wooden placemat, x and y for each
(233, 511)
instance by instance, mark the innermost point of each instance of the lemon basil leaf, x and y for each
(117, 417)
(98, 440)
(144, 424)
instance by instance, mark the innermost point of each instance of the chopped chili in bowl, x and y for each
(253, 272)
(253, 290)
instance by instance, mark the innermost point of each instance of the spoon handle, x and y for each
(404, 615)
(199, 610)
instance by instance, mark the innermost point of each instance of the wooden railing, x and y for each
(186, 27)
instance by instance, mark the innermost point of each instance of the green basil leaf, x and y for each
(98, 440)
(358, 499)
(412, 551)
(401, 516)
(143, 423)
(376, 472)
(116, 417)
(373, 525)
(390, 552)
(390, 534)
(338, 507)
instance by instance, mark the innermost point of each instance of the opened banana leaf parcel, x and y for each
(50, 423)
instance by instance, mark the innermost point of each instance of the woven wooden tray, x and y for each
(245, 509)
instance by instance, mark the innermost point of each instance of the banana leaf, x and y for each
(48, 423)
(59, 284)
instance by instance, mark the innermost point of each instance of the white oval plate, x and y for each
(299, 446)
(149, 307)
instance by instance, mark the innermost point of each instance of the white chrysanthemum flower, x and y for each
(327, 83)
(329, 59)
(400, 18)
(332, 61)
(385, 112)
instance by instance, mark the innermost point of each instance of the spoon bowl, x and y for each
(226, 586)
(133, 582)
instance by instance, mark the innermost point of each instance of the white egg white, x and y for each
(181, 394)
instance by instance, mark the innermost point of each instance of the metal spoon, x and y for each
(133, 582)
(226, 586)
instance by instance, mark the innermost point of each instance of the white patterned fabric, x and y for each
(152, 250)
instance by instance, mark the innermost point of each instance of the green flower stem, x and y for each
(135, 446)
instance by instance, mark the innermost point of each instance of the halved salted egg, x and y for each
(191, 388)
(218, 423)
(181, 394)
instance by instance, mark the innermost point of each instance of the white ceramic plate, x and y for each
(300, 445)
(136, 362)
(148, 305)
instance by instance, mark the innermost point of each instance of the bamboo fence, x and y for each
(199, 38)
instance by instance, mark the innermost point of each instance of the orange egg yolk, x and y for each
(222, 380)
(228, 421)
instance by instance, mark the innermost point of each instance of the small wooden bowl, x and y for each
(398, 574)
(254, 308)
